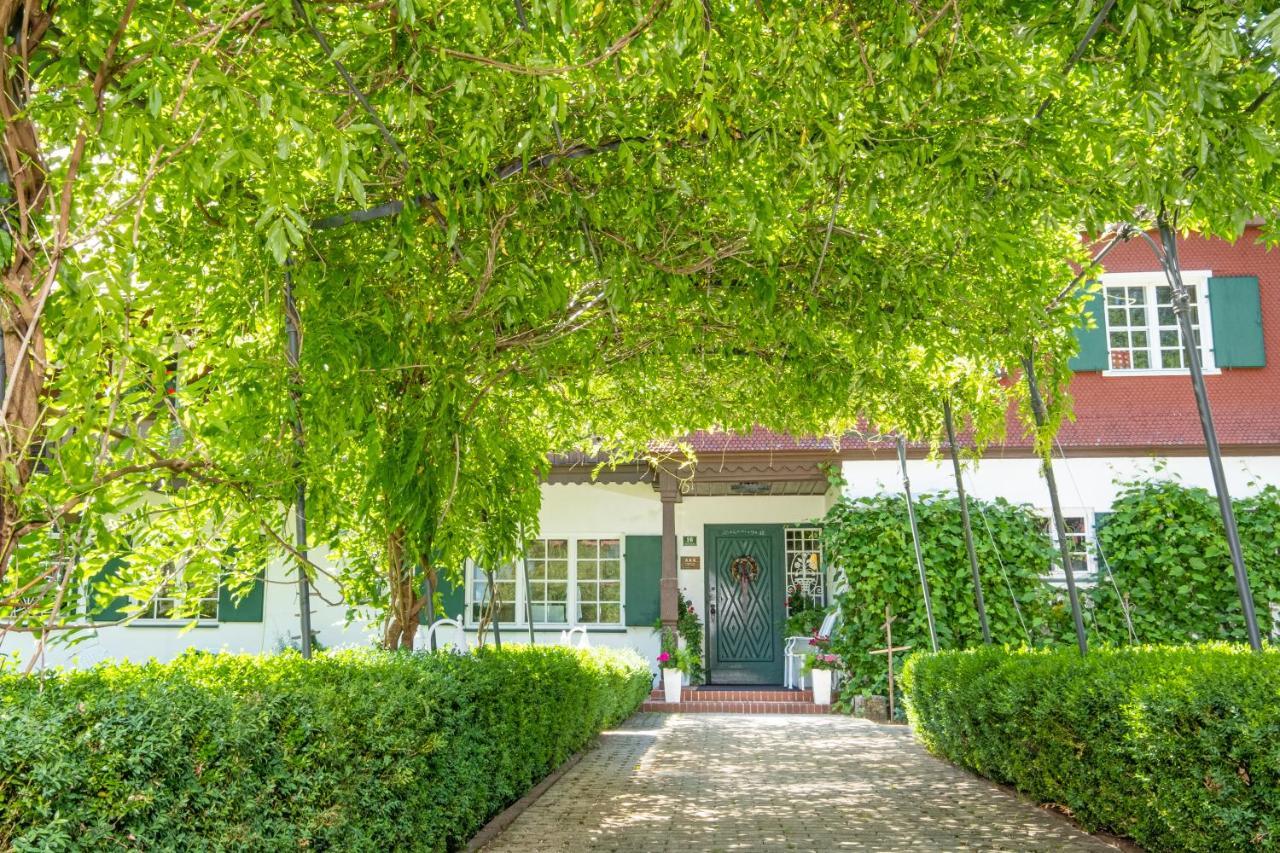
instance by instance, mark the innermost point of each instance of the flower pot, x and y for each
(671, 679)
(821, 686)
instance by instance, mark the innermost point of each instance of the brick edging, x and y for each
(495, 827)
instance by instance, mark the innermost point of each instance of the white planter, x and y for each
(821, 686)
(671, 679)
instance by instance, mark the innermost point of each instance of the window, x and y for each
(599, 581)
(1079, 534)
(173, 601)
(804, 564)
(547, 563)
(1143, 333)
(569, 580)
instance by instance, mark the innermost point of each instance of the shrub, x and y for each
(870, 540)
(357, 750)
(1175, 747)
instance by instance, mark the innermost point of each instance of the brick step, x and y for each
(775, 694)
(708, 706)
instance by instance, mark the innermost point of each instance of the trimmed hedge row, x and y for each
(1177, 747)
(357, 750)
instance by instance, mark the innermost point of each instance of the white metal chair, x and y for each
(583, 642)
(460, 644)
(796, 649)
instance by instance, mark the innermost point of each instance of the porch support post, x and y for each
(964, 521)
(669, 489)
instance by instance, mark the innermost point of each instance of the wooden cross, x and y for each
(888, 652)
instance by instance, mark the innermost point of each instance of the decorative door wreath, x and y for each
(744, 570)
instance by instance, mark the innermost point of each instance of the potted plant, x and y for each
(676, 663)
(821, 666)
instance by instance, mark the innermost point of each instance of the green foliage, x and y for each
(1175, 747)
(790, 203)
(688, 629)
(1165, 545)
(869, 540)
(354, 750)
(804, 615)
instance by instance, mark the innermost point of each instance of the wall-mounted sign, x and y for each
(691, 564)
(689, 541)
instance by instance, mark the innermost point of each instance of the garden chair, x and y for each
(566, 638)
(460, 644)
(796, 649)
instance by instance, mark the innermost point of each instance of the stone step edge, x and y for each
(711, 707)
(688, 695)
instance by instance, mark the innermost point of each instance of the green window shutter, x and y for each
(1235, 309)
(102, 608)
(453, 598)
(643, 560)
(1093, 354)
(246, 609)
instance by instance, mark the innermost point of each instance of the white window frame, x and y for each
(572, 539)
(1056, 575)
(1198, 280)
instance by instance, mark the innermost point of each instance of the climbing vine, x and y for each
(869, 540)
(1164, 543)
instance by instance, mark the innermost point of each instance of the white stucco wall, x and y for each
(1084, 482)
(141, 640)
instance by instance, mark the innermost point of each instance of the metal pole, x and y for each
(915, 541)
(1059, 526)
(292, 324)
(964, 521)
(1191, 352)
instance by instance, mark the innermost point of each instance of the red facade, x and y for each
(1137, 414)
(1159, 412)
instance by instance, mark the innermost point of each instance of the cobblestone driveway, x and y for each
(712, 782)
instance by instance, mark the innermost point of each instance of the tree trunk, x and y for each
(405, 600)
(25, 195)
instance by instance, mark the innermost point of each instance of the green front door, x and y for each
(745, 591)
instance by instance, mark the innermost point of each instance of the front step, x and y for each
(700, 707)
(776, 700)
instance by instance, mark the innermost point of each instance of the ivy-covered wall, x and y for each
(870, 540)
(1162, 541)
(1165, 546)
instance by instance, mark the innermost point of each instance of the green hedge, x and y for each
(358, 750)
(1175, 747)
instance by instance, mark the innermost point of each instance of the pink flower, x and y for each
(664, 657)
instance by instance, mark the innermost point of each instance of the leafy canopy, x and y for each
(516, 228)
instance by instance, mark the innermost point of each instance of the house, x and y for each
(741, 524)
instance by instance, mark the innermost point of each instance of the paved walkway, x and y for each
(718, 782)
